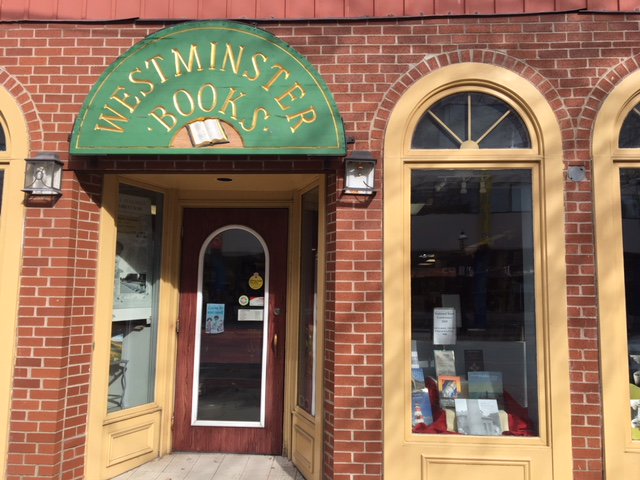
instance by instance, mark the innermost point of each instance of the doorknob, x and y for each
(277, 311)
(274, 342)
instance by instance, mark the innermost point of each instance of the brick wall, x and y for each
(574, 59)
(51, 380)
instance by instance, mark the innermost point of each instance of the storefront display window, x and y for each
(135, 300)
(472, 302)
(473, 319)
(630, 209)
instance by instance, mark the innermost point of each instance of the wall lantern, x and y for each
(359, 173)
(43, 175)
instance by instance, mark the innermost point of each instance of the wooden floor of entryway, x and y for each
(214, 466)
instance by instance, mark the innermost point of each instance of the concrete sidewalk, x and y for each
(214, 466)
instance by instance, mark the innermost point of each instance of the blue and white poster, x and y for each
(214, 322)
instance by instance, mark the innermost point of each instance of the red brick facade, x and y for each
(575, 60)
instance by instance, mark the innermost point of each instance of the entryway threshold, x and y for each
(214, 466)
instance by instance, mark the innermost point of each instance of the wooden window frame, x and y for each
(545, 160)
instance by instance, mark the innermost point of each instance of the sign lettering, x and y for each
(252, 83)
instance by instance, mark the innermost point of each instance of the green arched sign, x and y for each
(210, 88)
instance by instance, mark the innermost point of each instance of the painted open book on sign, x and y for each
(207, 132)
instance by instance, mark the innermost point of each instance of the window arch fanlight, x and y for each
(3, 139)
(470, 120)
(476, 152)
(629, 136)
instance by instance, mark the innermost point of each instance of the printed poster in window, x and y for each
(134, 260)
(214, 319)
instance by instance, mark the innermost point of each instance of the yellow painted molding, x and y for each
(550, 454)
(302, 429)
(102, 329)
(622, 455)
(14, 125)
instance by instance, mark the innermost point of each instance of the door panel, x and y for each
(229, 388)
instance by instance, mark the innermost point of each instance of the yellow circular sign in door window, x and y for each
(256, 281)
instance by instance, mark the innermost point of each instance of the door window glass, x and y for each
(473, 318)
(231, 330)
(307, 335)
(135, 301)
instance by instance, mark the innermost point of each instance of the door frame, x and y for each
(205, 204)
(306, 431)
(261, 436)
(302, 433)
(157, 417)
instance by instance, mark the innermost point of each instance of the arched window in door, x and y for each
(230, 371)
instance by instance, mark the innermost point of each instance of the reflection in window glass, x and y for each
(470, 121)
(629, 137)
(307, 339)
(3, 141)
(630, 204)
(135, 303)
(1, 187)
(473, 303)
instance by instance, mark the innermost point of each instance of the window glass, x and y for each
(1, 187)
(135, 302)
(230, 363)
(630, 205)
(307, 335)
(470, 120)
(629, 137)
(3, 141)
(473, 319)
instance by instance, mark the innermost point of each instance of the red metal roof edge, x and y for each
(306, 19)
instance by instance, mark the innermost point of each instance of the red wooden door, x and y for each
(230, 369)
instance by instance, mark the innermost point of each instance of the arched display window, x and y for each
(616, 160)
(473, 328)
(473, 163)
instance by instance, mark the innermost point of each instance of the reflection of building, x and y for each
(514, 123)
